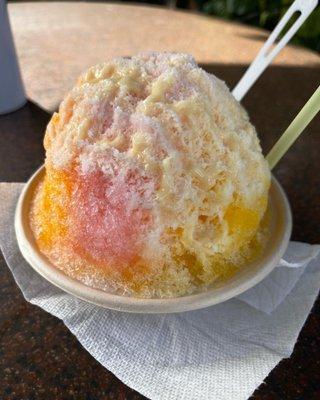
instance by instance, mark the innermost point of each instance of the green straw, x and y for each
(295, 129)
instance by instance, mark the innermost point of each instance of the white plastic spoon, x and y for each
(267, 54)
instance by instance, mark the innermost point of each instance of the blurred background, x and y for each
(262, 13)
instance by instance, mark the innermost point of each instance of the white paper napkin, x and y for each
(222, 352)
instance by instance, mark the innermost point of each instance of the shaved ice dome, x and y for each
(155, 182)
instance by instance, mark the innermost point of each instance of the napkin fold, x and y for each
(222, 352)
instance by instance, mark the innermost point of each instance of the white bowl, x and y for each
(280, 225)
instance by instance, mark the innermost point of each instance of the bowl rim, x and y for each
(281, 227)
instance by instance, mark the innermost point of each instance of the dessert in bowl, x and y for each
(155, 186)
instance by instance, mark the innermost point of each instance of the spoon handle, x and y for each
(267, 53)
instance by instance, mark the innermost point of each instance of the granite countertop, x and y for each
(39, 357)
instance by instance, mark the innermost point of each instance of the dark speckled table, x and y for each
(39, 357)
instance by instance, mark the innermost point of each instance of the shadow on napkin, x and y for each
(220, 352)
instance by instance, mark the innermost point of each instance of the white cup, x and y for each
(12, 95)
(280, 225)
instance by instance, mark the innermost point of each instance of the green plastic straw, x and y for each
(295, 129)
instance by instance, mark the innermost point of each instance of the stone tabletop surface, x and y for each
(39, 357)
